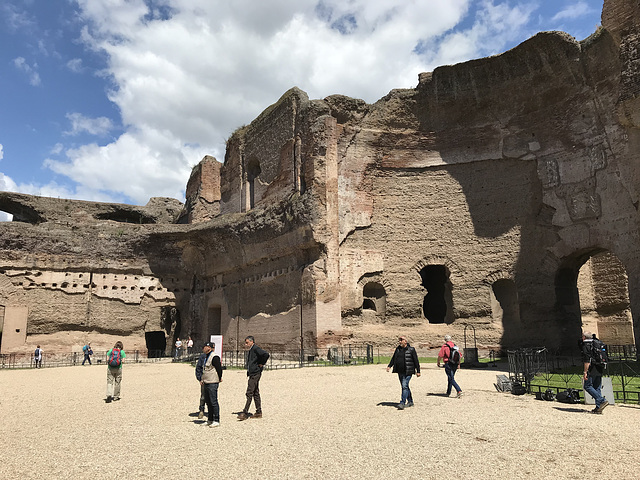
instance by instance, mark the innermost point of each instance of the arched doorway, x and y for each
(438, 302)
(374, 298)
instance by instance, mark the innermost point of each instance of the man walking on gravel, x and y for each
(209, 374)
(256, 359)
(592, 372)
(450, 355)
(405, 363)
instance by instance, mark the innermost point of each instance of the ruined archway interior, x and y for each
(504, 302)
(374, 298)
(438, 300)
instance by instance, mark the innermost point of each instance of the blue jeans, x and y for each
(202, 399)
(211, 397)
(87, 357)
(592, 386)
(406, 392)
(451, 382)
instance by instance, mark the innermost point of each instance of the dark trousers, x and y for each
(87, 358)
(253, 393)
(211, 398)
(451, 381)
(202, 399)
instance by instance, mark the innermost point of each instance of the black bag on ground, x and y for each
(570, 395)
(518, 389)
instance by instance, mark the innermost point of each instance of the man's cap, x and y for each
(210, 344)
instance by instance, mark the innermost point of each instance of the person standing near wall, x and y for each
(256, 360)
(209, 374)
(451, 358)
(405, 363)
(189, 346)
(115, 356)
(178, 346)
(87, 353)
(37, 357)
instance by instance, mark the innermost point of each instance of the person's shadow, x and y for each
(571, 409)
(388, 404)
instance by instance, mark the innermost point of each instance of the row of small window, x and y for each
(93, 285)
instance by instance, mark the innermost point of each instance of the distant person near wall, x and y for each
(87, 351)
(256, 360)
(37, 357)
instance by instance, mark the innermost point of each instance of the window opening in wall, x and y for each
(156, 343)
(435, 279)
(253, 172)
(504, 302)
(374, 298)
(214, 320)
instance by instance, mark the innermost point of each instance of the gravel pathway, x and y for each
(319, 423)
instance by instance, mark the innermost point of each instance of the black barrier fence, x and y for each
(353, 354)
(26, 360)
(540, 369)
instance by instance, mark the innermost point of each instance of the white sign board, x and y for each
(217, 341)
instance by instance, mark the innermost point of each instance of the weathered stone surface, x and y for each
(466, 205)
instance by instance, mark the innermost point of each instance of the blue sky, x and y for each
(116, 100)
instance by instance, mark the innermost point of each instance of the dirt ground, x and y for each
(319, 423)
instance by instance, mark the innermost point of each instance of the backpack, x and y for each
(571, 395)
(36, 353)
(454, 355)
(599, 354)
(84, 349)
(115, 359)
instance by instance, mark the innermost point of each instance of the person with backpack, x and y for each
(594, 358)
(37, 357)
(405, 363)
(450, 355)
(256, 360)
(115, 356)
(87, 353)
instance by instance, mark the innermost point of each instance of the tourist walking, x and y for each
(209, 374)
(593, 369)
(450, 356)
(37, 357)
(405, 363)
(87, 353)
(115, 356)
(256, 360)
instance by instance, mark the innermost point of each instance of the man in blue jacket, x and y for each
(256, 359)
(405, 363)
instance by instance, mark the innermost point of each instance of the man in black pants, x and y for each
(256, 360)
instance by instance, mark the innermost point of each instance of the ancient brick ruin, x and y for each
(500, 193)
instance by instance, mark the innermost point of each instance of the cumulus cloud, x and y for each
(187, 73)
(31, 70)
(94, 126)
(75, 65)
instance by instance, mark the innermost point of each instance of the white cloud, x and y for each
(93, 126)
(575, 10)
(31, 71)
(189, 73)
(75, 65)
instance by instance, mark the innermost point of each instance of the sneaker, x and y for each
(242, 416)
(459, 395)
(602, 406)
(214, 424)
(206, 424)
(401, 406)
(256, 415)
(596, 411)
(115, 399)
(108, 399)
(201, 415)
(409, 404)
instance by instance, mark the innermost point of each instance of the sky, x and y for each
(117, 100)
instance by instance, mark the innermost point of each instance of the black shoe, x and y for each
(108, 399)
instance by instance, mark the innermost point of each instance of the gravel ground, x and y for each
(319, 423)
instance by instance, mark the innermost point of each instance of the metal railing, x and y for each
(26, 360)
(539, 369)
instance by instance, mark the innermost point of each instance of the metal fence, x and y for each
(353, 354)
(26, 360)
(539, 369)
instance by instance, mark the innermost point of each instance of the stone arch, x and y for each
(592, 293)
(374, 293)
(503, 292)
(253, 171)
(435, 275)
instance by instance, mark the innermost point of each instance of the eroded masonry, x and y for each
(500, 193)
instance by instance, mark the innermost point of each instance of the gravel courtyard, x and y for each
(319, 423)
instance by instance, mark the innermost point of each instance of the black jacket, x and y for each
(405, 360)
(256, 357)
(200, 365)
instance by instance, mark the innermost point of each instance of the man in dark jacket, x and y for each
(592, 373)
(256, 359)
(405, 363)
(209, 374)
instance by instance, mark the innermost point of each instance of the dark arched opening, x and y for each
(435, 279)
